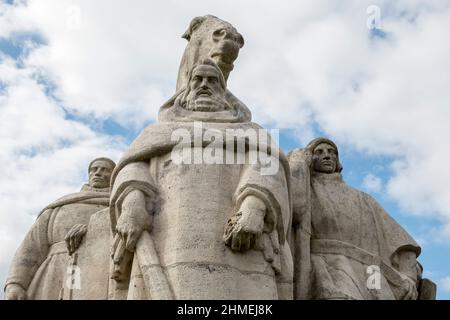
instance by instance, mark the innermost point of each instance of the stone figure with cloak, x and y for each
(195, 229)
(345, 245)
(186, 229)
(40, 263)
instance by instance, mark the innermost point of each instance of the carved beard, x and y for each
(212, 103)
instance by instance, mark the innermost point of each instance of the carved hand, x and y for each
(246, 225)
(74, 236)
(134, 219)
(408, 268)
(410, 288)
(15, 292)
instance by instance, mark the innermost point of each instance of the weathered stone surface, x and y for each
(208, 38)
(204, 205)
(91, 261)
(40, 264)
(190, 205)
(184, 230)
(343, 239)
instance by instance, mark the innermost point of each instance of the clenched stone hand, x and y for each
(134, 219)
(409, 285)
(74, 237)
(246, 225)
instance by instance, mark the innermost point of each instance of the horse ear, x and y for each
(195, 23)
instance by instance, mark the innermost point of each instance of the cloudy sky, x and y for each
(80, 79)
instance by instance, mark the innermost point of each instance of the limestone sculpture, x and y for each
(346, 245)
(40, 263)
(180, 230)
(173, 216)
(204, 205)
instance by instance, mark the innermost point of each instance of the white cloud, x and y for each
(44, 155)
(445, 282)
(372, 183)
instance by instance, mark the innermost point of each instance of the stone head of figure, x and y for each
(210, 37)
(205, 89)
(325, 157)
(100, 170)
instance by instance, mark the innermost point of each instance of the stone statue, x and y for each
(39, 265)
(204, 205)
(183, 230)
(208, 37)
(346, 245)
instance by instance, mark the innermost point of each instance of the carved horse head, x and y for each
(209, 37)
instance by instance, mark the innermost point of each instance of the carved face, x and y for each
(324, 158)
(218, 40)
(205, 90)
(225, 45)
(100, 174)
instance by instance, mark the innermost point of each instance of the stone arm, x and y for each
(74, 237)
(402, 251)
(300, 160)
(28, 258)
(262, 216)
(246, 225)
(134, 219)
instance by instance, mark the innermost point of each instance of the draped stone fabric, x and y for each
(351, 232)
(40, 263)
(194, 202)
(338, 233)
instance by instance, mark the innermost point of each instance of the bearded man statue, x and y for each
(184, 229)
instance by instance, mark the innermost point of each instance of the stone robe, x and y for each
(193, 204)
(40, 263)
(345, 232)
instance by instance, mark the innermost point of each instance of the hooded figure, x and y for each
(206, 228)
(346, 245)
(40, 264)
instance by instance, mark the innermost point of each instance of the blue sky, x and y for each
(85, 80)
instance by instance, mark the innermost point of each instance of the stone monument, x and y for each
(189, 228)
(204, 205)
(39, 265)
(346, 246)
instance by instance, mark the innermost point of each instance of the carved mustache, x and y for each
(203, 91)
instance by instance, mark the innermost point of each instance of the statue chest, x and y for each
(194, 194)
(65, 217)
(195, 202)
(340, 213)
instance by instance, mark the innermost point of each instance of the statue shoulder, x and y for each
(299, 161)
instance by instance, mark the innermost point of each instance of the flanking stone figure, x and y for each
(346, 246)
(40, 264)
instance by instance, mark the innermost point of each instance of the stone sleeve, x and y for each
(134, 176)
(31, 253)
